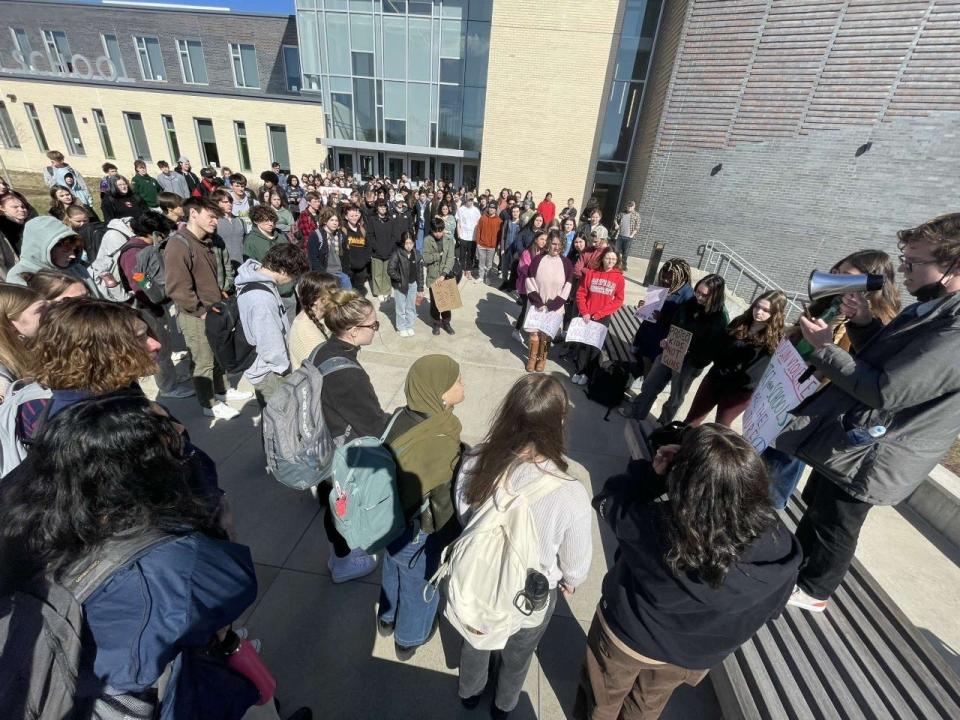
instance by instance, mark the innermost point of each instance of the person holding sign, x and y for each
(744, 354)
(705, 318)
(675, 276)
(538, 246)
(548, 287)
(439, 255)
(600, 295)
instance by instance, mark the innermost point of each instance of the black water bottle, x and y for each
(535, 593)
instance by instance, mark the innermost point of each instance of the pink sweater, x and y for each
(548, 281)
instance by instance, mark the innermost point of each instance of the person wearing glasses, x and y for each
(890, 412)
(350, 408)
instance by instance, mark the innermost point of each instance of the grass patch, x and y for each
(952, 459)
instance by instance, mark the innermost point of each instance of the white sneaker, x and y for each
(803, 601)
(583, 380)
(576, 379)
(178, 356)
(637, 385)
(221, 411)
(234, 395)
(518, 336)
(355, 565)
(178, 392)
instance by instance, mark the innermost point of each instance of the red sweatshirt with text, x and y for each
(600, 293)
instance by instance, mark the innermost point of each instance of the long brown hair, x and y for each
(14, 355)
(884, 303)
(316, 286)
(529, 422)
(89, 344)
(771, 333)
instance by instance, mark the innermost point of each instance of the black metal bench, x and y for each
(623, 326)
(861, 658)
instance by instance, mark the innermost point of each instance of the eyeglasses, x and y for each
(909, 265)
(375, 326)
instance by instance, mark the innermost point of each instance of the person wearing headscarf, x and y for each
(425, 440)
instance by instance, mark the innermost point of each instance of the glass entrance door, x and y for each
(470, 176)
(345, 162)
(418, 169)
(448, 171)
(396, 166)
(368, 165)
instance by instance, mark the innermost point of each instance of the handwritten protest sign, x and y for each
(779, 392)
(678, 342)
(446, 295)
(652, 303)
(587, 332)
(546, 322)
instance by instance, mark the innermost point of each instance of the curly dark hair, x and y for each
(262, 213)
(719, 493)
(286, 258)
(103, 466)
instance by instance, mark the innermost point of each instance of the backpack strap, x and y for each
(386, 433)
(112, 556)
(540, 488)
(333, 364)
(255, 285)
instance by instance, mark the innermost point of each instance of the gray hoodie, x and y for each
(265, 323)
(174, 182)
(40, 235)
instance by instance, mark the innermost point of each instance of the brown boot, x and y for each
(542, 354)
(534, 341)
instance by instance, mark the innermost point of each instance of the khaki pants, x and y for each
(266, 387)
(614, 684)
(379, 279)
(207, 373)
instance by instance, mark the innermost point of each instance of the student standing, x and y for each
(284, 216)
(537, 247)
(405, 270)
(120, 202)
(359, 253)
(172, 182)
(488, 236)
(526, 442)
(439, 256)
(263, 235)
(230, 228)
(674, 275)
(144, 186)
(20, 310)
(599, 296)
(627, 225)
(308, 330)
(547, 209)
(383, 234)
(467, 218)
(548, 287)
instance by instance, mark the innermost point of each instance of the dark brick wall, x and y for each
(84, 24)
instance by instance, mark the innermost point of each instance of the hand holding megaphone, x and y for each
(854, 305)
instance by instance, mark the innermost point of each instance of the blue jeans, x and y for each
(655, 381)
(419, 241)
(785, 471)
(406, 307)
(408, 564)
(344, 279)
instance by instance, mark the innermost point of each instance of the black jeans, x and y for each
(340, 547)
(438, 316)
(468, 255)
(828, 533)
(587, 355)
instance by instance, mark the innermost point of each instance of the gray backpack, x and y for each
(296, 439)
(47, 669)
(12, 449)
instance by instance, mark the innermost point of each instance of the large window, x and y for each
(8, 134)
(151, 61)
(111, 47)
(193, 66)
(208, 142)
(244, 60)
(279, 152)
(22, 43)
(243, 147)
(35, 125)
(291, 66)
(170, 131)
(58, 50)
(104, 132)
(70, 130)
(138, 135)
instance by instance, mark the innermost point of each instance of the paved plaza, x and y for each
(320, 639)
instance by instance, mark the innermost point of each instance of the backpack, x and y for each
(485, 569)
(225, 333)
(364, 501)
(12, 449)
(296, 439)
(48, 669)
(607, 385)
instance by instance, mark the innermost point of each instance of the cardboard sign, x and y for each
(547, 322)
(779, 392)
(446, 295)
(678, 342)
(652, 303)
(588, 333)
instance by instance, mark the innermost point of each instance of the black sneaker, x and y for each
(471, 702)
(384, 628)
(436, 329)
(448, 330)
(498, 714)
(404, 653)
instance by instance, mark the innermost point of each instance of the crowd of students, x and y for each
(305, 266)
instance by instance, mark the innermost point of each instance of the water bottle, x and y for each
(242, 657)
(866, 435)
(535, 593)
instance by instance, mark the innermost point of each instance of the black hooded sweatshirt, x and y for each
(683, 620)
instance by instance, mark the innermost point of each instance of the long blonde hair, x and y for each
(14, 300)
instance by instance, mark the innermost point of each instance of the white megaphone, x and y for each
(824, 284)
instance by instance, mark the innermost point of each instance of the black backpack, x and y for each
(607, 385)
(225, 332)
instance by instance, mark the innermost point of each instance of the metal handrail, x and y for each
(718, 257)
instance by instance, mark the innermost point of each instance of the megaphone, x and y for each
(824, 284)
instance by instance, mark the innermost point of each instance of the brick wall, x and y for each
(783, 93)
(83, 25)
(546, 81)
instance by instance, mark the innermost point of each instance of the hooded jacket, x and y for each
(383, 235)
(256, 244)
(191, 272)
(682, 620)
(601, 293)
(173, 182)
(905, 378)
(232, 231)
(145, 188)
(264, 321)
(318, 250)
(107, 261)
(708, 331)
(40, 235)
(116, 205)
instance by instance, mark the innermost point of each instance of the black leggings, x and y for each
(468, 255)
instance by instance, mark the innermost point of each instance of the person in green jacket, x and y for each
(439, 252)
(263, 235)
(705, 317)
(144, 186)
(284, 216)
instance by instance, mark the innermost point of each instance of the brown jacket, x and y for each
(190, 271)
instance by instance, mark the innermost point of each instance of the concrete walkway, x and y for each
(320, 638)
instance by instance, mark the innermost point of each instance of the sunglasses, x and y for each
(375, 326)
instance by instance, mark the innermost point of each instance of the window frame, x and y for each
(58, 111)
(286, 68)
(62, 62)
(203, 153)
(146, 54)
(103, 132)
(122, 68)
(270, 148)
(33, 117)
(8, 131)
(145, 156)
(170, 135)
(238, 58)
(16, 44)
(183, 53)
(243, 153)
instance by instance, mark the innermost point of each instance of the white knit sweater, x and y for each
(563, 520)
